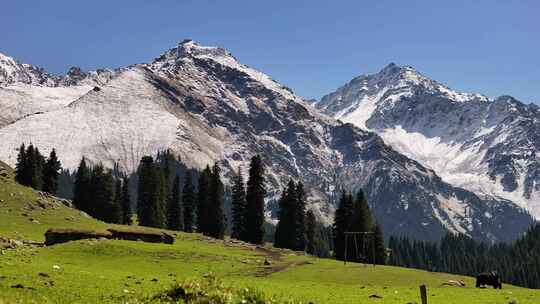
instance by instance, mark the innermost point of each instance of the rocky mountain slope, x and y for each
(490, 147)
(205, 106)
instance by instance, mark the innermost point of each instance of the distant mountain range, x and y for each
(205, 106)
(490, 147)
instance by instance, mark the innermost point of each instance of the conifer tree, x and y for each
(81, 191)
(174, 209)
(362, 220)
(21, 171)
(126, 203)
(238, 207)
(166, 162)
(29, 167)
(380, 249)
(285, 236)
(188, 202)
(117, 211)
(151, 197)
(51, 171)
(255, 194)
(34, 167)
(37, 175)
(203, 200)
(342, 220)
(216, 217)
(299, 218)
(102, 195)
(311, 237)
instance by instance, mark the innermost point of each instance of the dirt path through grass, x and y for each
(276, 263)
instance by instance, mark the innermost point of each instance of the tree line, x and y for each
(160, 195)
(516, 263)
(102, 195)
(36, 171)
(164, 201)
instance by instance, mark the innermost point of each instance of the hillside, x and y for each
(25, 214)
(110, 271)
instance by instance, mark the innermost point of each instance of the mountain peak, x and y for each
(403, 72)
(188, 52)
(4, 57)
(391, 68)
(395, 76)
(12, 71)
(191, 48)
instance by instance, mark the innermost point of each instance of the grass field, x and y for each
(111, 271)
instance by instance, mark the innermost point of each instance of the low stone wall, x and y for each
(145, 236)
(58, 236)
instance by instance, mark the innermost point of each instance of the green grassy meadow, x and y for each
(112, 271)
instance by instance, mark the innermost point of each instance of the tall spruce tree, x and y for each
(285, 236)
(239, 205)
(174, 208)
(188, 202)
(216, 216)
(255, 194)
(117, 211)
(361, 221)
(30, 165)
(299, 219)
(51, 171)
(151, 205)
(203, 193)
(33, 168)
(81, 190)
(342, 220)
(378, 242)
(125, 199)
(37, 176)
(167, 162)
(102, 195)
(311, 237)
(21, 170)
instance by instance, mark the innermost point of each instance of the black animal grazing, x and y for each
(489, 278)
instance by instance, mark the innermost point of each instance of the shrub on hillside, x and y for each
(212, 291)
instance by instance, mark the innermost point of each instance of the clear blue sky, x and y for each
(490, 47)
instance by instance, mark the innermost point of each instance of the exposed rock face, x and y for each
(205, 106)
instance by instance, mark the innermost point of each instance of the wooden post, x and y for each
(423, 294)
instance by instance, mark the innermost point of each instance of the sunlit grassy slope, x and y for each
(26, 214)
(108, 271)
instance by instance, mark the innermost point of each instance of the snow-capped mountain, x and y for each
(490, 147)
(13, 72)
(25, 89)
(205, 106)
